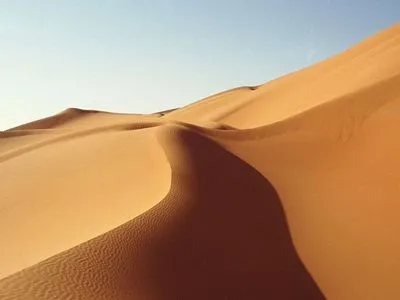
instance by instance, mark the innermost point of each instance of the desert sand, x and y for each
(287, 190)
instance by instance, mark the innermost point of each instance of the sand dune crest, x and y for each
(286, 190)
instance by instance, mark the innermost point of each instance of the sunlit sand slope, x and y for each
(287, 190)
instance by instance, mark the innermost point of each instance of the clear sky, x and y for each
(151, 55)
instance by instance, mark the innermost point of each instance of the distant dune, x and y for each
(288, 190)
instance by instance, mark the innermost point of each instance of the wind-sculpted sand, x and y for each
(287, 190)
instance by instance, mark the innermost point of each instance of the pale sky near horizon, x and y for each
(151, 55)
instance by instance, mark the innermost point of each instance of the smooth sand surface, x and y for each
(287, 190)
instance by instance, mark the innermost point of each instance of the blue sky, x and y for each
(150, 55)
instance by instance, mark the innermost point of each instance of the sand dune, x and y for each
(288, 190)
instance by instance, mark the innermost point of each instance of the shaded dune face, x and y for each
(218, 199)
(220, 233)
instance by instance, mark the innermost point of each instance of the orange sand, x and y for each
(288, 190)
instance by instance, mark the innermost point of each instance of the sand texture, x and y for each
(287, 190)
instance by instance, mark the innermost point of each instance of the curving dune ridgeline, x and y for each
(287, 190)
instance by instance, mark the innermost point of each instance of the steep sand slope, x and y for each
(181, 205)
(206, 240)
